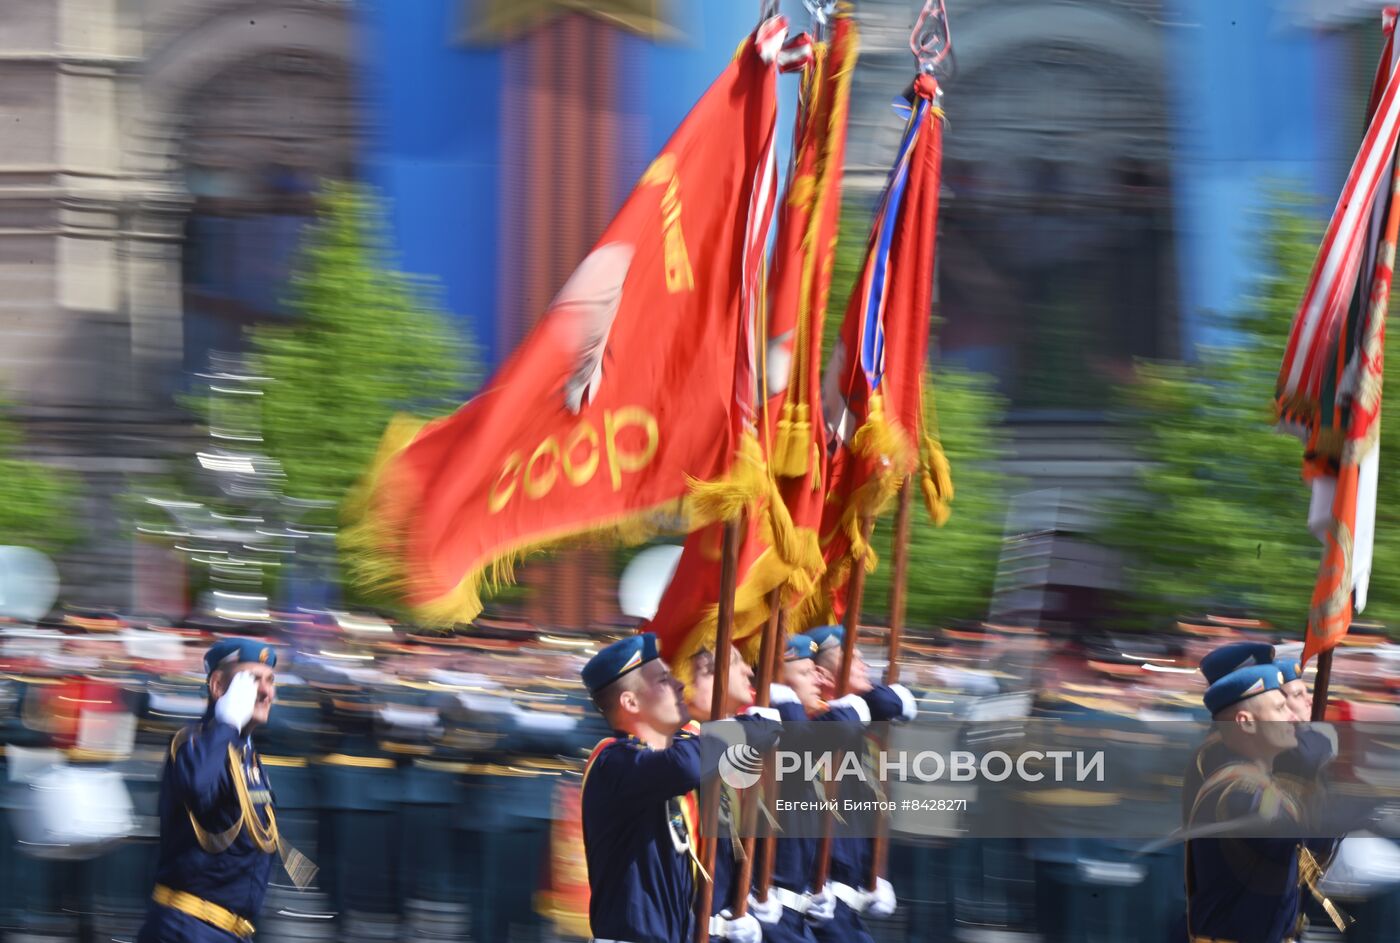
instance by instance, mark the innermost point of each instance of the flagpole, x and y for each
(724, 641)
(770, 844)
(899, 576)
(748, 804)
(1320, 685)
(855, 588)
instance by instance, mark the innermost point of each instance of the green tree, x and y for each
(365, 344)
(1221, 517)
(36, 501)
(952, 568)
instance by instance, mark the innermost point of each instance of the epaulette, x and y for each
(1269, 799)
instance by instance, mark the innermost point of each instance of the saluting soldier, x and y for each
(218, 831)
(639, 807)
(1245, 889)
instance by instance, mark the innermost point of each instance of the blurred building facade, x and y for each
(153, 175)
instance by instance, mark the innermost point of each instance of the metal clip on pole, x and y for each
(931, 41)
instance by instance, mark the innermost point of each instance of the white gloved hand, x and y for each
(769, 911)
(821, 908)
(767, 713)
(743, 929)
(782, 694)
(235, 708)
(880, 902)
(856, 703)
(907, 702)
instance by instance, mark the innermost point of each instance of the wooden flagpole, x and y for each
(899, 575)
(748, 805)
(770, 844)
(855, 589)
(1321, 684)
(724, 641)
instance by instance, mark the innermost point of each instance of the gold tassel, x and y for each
(936, 481)
(299, 868)
(1309, 873)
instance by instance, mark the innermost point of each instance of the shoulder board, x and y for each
(597, 751)
(1273, 801)
(691, 727)
(181, 736)
(1210, 743)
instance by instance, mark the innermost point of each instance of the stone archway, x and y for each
(1057, 259)
(230, 90)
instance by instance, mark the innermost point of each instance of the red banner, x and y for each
(873, 388)
(629, 390)
(1329, 388)
(779, 549)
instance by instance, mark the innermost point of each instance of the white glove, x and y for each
(235, 708)
(880, 902)
(782, 694)
(906, 701)
(821, 908)
(743, 929)
(769, 911)
(767, 713)
(856, 703)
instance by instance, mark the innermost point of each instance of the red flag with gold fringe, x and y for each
(873, 387)
(630, 396)
(779, 549)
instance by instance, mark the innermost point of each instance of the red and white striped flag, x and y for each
(1329, 386)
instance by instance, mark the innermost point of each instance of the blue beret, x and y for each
(1227, 658)
(827, 636)
(234, 650)
(799, 647)
(1292, 669)
(1242, 683)
(617, 659)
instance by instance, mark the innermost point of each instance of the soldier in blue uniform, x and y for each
(639, 808)
(1245, 889)
(851, 856)
(699, 700)
(1209, 756)
(218, 832)
(795, 909)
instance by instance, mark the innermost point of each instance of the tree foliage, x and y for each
(951, 569)
(36, 500)
(1221, 519)
(364, 345)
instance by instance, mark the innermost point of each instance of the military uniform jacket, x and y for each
(638, 827)
(217, 826)
(1241, 889)
(851, 856)
(794, 859)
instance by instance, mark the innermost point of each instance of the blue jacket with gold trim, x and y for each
(207, 848)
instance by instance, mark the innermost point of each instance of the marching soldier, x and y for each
(639, 808)
(699, 700)
(795, 908)
(851, 856)
(218, 832)
(1245, 889)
